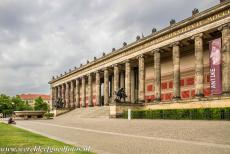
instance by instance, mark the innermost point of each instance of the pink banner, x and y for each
(215, 66)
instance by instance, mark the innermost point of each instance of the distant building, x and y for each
(30, 98)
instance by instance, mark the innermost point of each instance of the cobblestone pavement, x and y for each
(120, 136)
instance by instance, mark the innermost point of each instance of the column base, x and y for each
(91, 105)
(176, 98)
(157, 100)
(141, 101)
(199, 95)
(225, 93)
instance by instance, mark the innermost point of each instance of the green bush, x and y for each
(49, 115)
(183, 114)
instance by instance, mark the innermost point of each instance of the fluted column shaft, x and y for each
(90, 92)
(176, 71)
(116, 78)
(226, 59)
(106, 87)
(199, 66)
(157, 75)
(63, 94)
(141, 93)
(77, 93)
(98, 89)
(122, 80)
(132, 86)
(71, 94)
(83, 92)
(58, 93)
(67, 95)
(128, 81)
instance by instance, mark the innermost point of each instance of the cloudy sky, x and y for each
(42, 38)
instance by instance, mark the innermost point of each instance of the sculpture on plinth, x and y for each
(58, 103)
(120, 94)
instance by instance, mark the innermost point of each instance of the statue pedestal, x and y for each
(117, 108)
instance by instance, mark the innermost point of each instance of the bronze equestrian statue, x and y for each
(120, 94)
(58, 103)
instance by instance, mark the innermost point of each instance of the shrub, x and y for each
(183, 114)
(49, 115)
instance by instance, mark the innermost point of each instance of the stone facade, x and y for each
(169, 66)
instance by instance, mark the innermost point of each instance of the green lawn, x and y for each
(13, 137)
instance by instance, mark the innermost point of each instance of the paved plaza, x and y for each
(120, 136)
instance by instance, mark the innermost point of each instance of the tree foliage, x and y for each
(9, 104)
(41, 105)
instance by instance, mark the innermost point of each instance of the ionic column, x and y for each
(199, 65)
(141, 92)
(98, 89)
(225, 59)
(106, 86)
(63, 94)
(71, 94)
(116, 79)
(132, 86)
(176, 71)
(157, 75)
(67, 95)
(77, 93)
(83, 91)
(90, 99)
(128, 81)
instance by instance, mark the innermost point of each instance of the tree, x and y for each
(40, 104)
(6, 105)
(20, 105)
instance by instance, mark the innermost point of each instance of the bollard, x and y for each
(129, 114)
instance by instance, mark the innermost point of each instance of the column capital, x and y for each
(127, 61)
(200, 35)
(177, 43)
(115, 65)
(224, 26)
(105, 69)
(155, 51)
(140, 56)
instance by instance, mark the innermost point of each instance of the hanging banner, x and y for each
(215, 66)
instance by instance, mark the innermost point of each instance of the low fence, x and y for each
(181, 114)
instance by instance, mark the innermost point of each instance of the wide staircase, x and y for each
(89, 112)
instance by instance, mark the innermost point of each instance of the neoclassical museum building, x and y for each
(185, 65)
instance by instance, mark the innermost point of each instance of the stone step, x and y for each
(89, 112)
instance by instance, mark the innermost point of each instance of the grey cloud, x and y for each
(41, 38)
